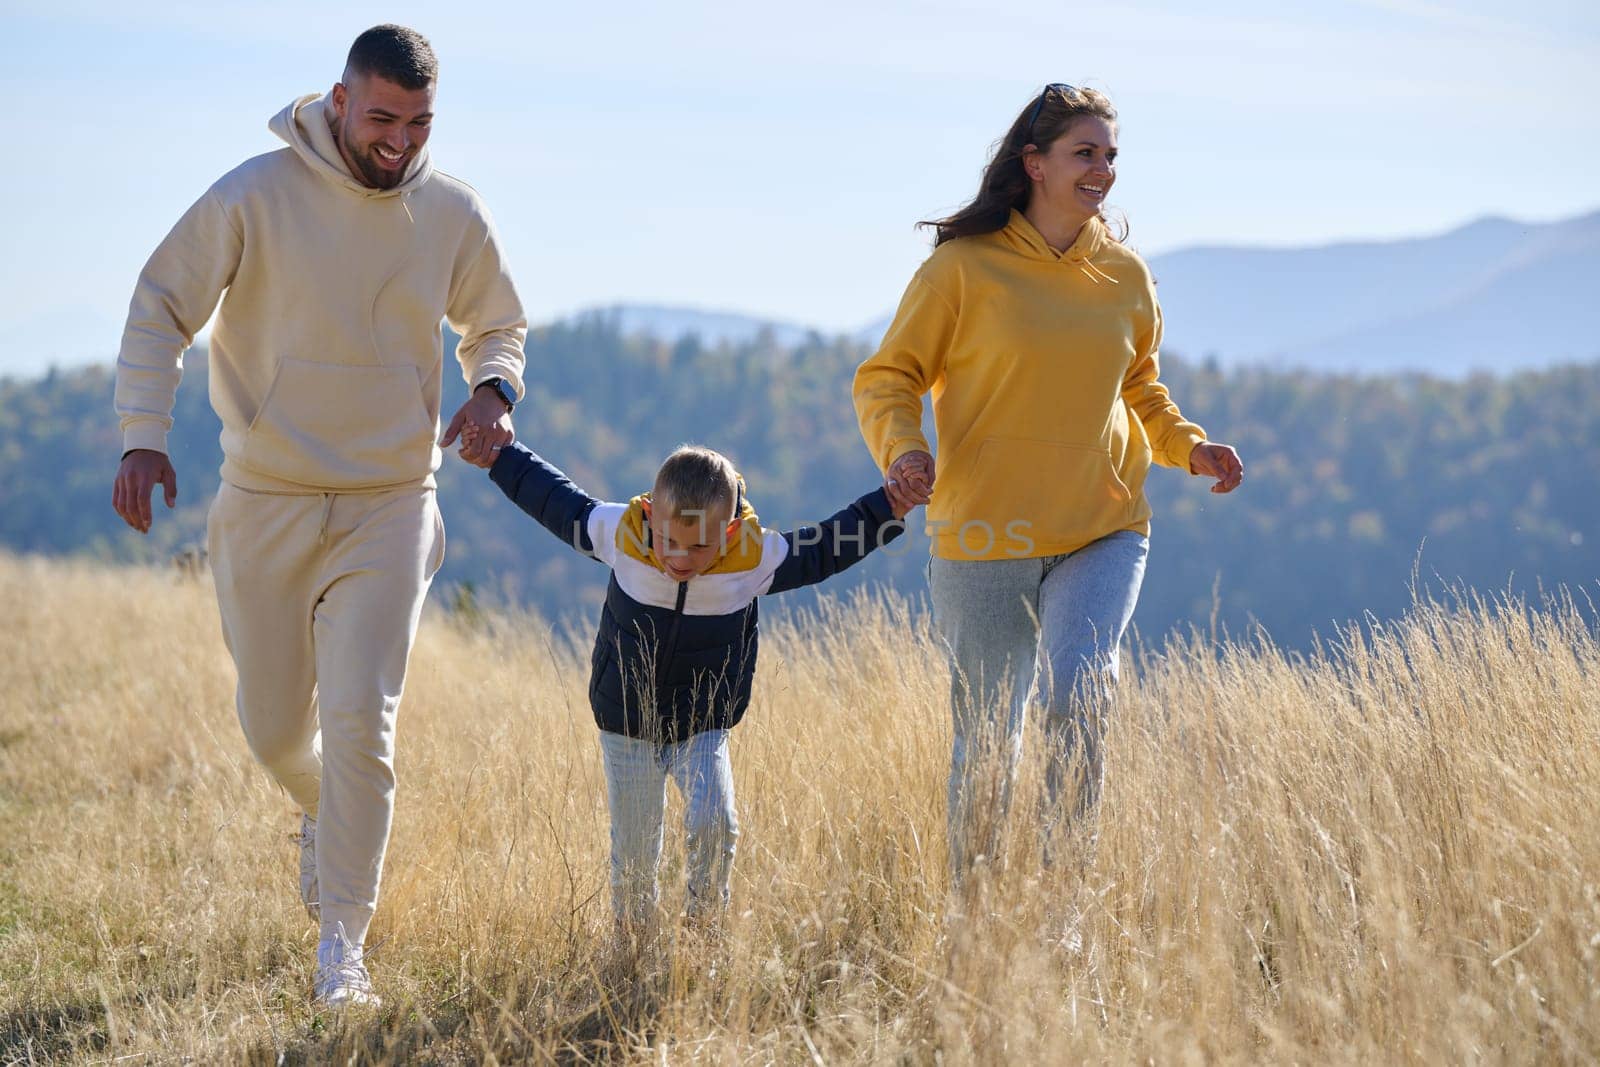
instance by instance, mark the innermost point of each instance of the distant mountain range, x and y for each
(1495, 294)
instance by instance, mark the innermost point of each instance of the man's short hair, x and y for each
(394, 53)
(694, 481)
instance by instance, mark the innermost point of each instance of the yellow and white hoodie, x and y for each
(326, 356)
(1046, 401)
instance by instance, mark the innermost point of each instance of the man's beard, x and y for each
(371, 173)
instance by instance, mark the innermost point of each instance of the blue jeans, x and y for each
(1048, 626)
(636, 790)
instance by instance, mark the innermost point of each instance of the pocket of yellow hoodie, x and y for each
(337, 426)
(1039, 497)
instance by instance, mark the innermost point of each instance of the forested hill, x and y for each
(1352, 482)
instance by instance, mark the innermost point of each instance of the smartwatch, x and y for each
(502, 389)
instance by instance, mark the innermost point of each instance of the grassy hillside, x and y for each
(1382, 852)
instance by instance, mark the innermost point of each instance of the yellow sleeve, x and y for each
(910, 361)
(1172, 437)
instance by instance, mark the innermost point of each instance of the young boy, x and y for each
(675, 656)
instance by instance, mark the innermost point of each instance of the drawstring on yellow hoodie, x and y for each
(1094, 273)
(1091, 240)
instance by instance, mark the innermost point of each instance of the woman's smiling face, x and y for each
(1076, 173)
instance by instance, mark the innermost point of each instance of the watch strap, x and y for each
(502, 389)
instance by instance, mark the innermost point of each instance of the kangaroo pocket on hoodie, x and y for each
(1055, 495)
(340, 426)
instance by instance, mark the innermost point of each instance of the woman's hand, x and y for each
(1221, 462)
(909, 482)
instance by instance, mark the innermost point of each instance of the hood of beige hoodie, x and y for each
(306, 126)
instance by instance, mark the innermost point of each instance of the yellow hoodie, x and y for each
(326, 356)
(1046, 401)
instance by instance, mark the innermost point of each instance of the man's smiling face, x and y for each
(381, 126)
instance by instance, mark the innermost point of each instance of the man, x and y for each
(338, 257)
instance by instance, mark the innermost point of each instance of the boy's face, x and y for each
(689, 542)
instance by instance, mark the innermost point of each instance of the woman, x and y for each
(1037, 332)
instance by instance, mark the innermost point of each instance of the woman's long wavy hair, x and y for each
(1005, 183)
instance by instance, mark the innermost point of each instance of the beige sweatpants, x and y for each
(320, 597)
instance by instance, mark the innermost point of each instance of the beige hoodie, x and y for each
(326, 356)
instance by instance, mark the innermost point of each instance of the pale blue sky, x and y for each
(773, 159)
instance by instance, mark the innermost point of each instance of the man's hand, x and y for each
(141, 471)
(1217, 461)
(909, 482)
(487, 412)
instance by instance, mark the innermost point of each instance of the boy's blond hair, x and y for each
(696, 482)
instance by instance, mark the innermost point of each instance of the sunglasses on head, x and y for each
(1069, 91)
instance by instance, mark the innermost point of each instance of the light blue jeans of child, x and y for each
(636, 790)
(1049, 627)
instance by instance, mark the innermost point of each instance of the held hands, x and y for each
(473, 450)
(909, 482)
(141, 471)
(1217, 461)
(485, 413)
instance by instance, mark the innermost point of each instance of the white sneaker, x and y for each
(307, 840)
(342, 980)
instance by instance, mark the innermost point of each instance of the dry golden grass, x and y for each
(1388, 853)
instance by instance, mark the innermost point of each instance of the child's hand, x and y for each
(909, 482)
(470, 436)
